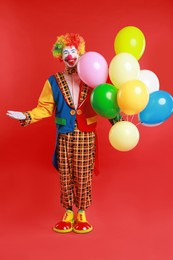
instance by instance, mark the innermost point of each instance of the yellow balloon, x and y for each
(124, 136)
(132, 97)
(123, 67)
(130, 39)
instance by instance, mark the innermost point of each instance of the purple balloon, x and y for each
(92, 69)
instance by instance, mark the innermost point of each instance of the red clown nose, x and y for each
(69, 57)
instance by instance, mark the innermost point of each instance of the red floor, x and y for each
(131, 215)
(127, 237)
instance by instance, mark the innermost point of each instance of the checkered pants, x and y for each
(76, 154)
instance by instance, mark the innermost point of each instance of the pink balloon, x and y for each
(92, 69)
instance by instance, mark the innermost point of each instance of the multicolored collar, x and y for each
(70, 71)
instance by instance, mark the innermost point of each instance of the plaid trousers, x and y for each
(76, 157)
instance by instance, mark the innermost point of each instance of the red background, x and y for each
(132, 211)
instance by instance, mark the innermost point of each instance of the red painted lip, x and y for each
(71, 61)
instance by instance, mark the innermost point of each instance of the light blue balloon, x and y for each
(158, 109)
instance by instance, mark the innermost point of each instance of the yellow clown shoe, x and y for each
(81, 225)
(66, 225)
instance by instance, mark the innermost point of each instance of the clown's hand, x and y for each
(16, 115)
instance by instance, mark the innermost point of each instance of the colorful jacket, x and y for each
(56, 98)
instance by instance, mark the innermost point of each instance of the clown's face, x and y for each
(70, 56)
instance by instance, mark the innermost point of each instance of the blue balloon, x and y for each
(158, 109)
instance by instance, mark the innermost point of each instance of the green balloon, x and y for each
(104, 100)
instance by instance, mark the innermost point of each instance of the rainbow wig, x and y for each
(69, 39)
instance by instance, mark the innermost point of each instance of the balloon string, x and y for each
(138, 123)
(132, 118)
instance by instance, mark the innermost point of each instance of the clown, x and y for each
(68, 98)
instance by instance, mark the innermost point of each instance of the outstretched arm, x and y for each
(44, 108)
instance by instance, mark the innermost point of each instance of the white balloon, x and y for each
(150, 79)
(151, 125)
(123, 67)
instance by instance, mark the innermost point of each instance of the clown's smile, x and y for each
(70, 56)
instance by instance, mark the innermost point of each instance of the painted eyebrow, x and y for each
(66, 51)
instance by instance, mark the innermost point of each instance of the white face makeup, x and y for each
(70, 56)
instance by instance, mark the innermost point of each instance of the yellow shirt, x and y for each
(46, 104)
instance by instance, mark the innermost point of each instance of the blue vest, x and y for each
(64, 116)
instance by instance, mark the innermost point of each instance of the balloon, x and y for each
(104, 100)
(124, 136)
(123, 67)
(150, 80)
(130, 39)
(132, 97)
(158, 109)
(92, 69)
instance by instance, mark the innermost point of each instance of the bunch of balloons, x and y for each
(133, 91)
